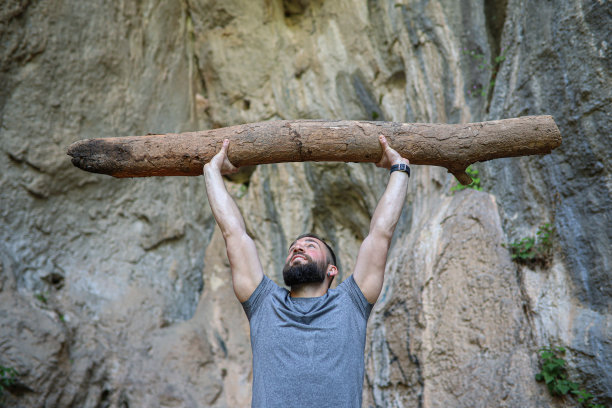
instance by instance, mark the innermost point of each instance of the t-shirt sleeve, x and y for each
(350, 286)
(255, 300)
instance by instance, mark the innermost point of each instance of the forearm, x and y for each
(224, 208)
(390, 206)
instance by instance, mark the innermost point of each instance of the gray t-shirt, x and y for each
(307, 352)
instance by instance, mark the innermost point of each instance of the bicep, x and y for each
(369, 270)
(247, 272)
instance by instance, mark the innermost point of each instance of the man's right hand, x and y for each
(221, 162)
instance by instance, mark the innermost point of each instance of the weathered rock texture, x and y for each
(450, 328)
(116, 292)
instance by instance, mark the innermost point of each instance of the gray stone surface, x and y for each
(450, 322)
(559, 62)
(116, 293)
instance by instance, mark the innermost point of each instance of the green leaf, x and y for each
(559, 361)
(547, 377)
(563, 388)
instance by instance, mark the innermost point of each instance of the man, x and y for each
(308, 343)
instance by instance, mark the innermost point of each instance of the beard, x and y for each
(310, 272)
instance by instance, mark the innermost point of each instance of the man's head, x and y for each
(310, 260)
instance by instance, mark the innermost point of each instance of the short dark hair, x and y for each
(331, 256)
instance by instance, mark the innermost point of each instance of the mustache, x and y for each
(307, 257)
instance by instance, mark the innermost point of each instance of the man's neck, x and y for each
(309, 290)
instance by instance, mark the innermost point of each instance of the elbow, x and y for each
(383, 228)
(381, 232)
(230, 232)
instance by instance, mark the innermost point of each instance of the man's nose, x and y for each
(298, 248)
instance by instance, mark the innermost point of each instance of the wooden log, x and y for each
(454, 147)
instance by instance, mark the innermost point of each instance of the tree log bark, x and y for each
(454, 147)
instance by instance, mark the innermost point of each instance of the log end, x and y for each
(117, 157)
(98, 156)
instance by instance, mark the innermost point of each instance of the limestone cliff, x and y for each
(116, 293)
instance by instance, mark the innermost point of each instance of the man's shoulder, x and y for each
(350, 288)
(267, 288)
(347, 284)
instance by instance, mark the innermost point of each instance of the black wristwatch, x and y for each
(400, 167)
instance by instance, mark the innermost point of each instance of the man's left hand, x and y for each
(221, 162)
(390, 156)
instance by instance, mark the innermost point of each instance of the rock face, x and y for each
(451, 322)
(116, 293)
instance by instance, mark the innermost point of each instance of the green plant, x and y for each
(483, 65)
(533, 249)
(41, 298)
(553, 371)
(523, 250)
(8, 376)
(544, 237)
(554, 374)
(242, 190)
(473, 173)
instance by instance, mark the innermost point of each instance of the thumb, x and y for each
(225, 146)
(383, 142)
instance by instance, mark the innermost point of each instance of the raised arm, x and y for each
(247, 272)
(369, 270)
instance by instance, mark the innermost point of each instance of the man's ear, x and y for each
(332, 270)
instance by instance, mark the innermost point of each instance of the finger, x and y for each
(384, 145)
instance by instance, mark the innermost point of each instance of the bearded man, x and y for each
(308, 343)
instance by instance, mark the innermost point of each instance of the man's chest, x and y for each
(307, 338)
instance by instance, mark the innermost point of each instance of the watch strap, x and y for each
(400, 167)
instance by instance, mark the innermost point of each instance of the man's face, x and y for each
(306, 262)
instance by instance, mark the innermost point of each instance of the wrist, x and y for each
(211, 168)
